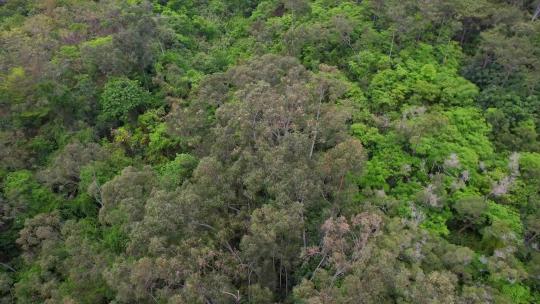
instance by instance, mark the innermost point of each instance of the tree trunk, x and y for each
(392, 44)
(321, 96)
(536, 12)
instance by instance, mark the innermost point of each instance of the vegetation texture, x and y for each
(275, 151)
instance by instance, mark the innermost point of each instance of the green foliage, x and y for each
(418, 78)
(103, 170)
(505, 215)
(530, 166)
(122, 98)
(26, 196)
(517, 293)
(175, 172)
(114, 239)
(306, 151)
(436, 224)
(148, 138)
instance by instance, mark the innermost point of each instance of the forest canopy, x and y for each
(274, 151)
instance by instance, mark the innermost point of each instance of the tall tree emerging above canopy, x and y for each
(271, 121)
(275, 135)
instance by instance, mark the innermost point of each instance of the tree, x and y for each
(175, 172)
(122, 199)
(272, 245)
(122, 99)
(329, 151)
(39, 233)
(471, 211)
(64, 173)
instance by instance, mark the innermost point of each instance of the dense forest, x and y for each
(275, 151)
